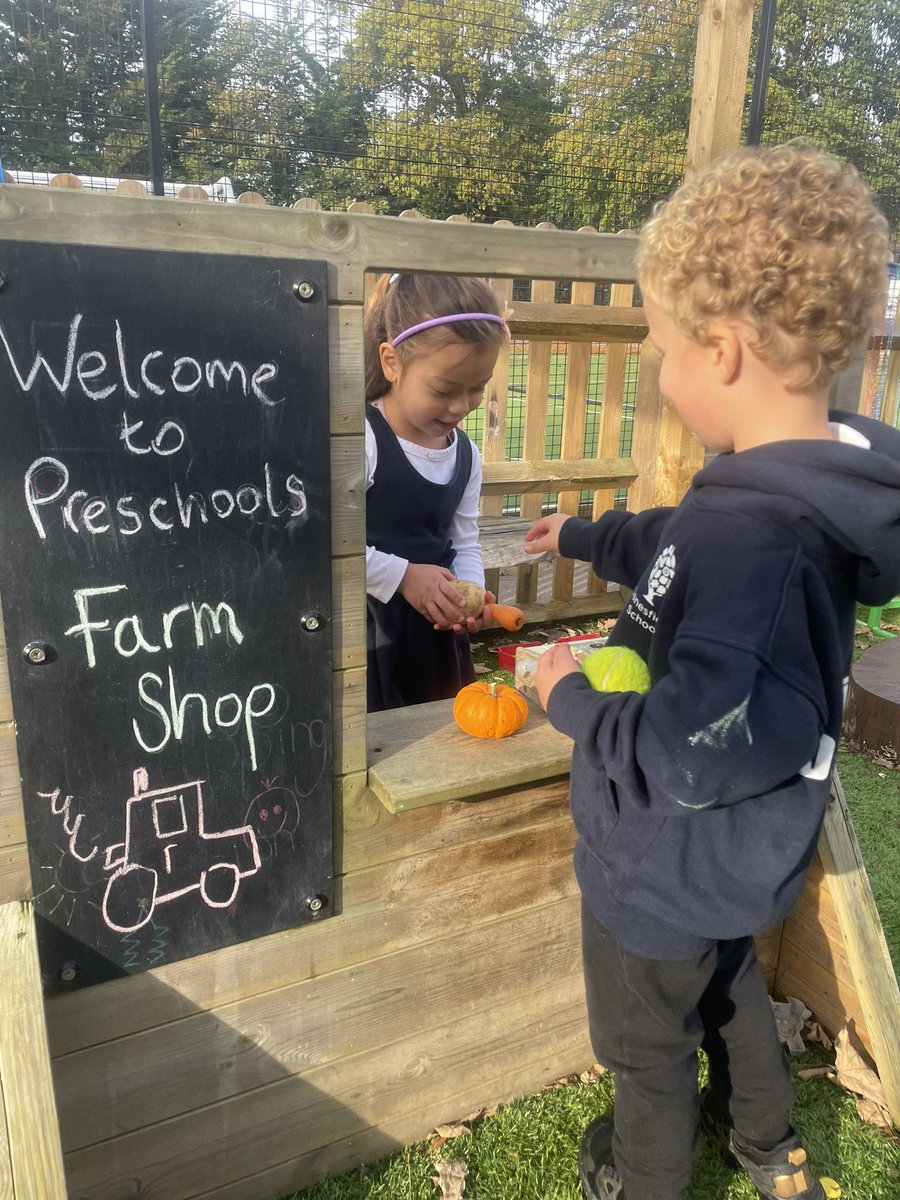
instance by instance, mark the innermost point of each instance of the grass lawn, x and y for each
(526, 1150)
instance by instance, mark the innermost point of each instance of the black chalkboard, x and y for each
(165, 572)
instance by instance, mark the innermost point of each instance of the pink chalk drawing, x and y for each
(157, 862)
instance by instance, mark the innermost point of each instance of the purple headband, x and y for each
(469, 316)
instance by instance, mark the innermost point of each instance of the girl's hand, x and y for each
(552, 665)
(430, 591)
(484, 620)
(544, 535)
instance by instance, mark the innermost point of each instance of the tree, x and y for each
(619, 143)
(61, 62)
(462, 100)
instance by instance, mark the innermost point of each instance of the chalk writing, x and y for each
(47, 483)
(156, 374)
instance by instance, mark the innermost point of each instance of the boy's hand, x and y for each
(552, 665)
(544, 535)
(430, 591)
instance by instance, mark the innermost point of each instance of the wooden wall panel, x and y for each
(378, 849)
(458, 1052)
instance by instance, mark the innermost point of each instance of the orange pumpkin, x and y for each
(489, 710)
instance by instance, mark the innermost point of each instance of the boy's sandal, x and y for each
(778, 1174)
(599, 1178)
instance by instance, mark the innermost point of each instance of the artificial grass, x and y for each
(527, 1151)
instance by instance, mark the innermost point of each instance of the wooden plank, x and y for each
(6, 1177)
(125, 1084)
(502, 542)
(428, 760)
(449, 1062)
(496, 400)
(608, 604)
(541, 475)
(349, 721)
(564, 1043)
(610, 433)
(370, 925)
(534, 438)
(831, 1001)
(346, 373)
(349, 243)
(866, 948)
(348, 495)
(32, 1128)
(578, 364)
(645, 438)
(580, 321)
(348, 584)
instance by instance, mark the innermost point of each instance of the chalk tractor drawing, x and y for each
(169, 852)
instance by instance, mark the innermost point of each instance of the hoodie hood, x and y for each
(841, 497)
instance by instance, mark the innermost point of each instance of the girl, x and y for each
(431, 343)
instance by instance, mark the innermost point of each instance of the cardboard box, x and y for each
(527, 659)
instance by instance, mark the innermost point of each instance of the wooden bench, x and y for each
(31, 1164)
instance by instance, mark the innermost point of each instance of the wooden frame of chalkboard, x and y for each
(165, 569)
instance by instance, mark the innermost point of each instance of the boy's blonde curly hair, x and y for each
(785, 239)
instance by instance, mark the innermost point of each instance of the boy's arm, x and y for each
(745, 704)
(679, 756)
(618, 546)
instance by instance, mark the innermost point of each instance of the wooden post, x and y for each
(721, 63)
(31, 1128)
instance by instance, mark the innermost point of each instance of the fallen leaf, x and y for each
(813, 1032)
(482, 670)
(451, 1131)
(853, 1073)
(451, 1178)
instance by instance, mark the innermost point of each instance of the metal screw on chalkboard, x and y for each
(68, 971)
(315, 904)
(36, 653)
(304, 290)
(312, 622)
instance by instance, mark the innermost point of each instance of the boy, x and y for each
(698, 804)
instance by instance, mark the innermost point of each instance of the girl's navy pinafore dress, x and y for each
(410, 662)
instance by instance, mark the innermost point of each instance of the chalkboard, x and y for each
(165, 572)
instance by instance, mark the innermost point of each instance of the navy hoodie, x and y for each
(699, 803)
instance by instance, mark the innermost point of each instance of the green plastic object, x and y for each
(873, 621)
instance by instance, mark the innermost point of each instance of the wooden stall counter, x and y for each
(419, 756)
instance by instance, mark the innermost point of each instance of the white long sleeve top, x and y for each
(385, 571)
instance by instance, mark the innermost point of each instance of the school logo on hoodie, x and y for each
(662, 575)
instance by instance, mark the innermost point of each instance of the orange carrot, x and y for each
(508, 617)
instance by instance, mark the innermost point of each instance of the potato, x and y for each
(473, 596)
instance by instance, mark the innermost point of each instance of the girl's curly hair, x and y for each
(786, 239)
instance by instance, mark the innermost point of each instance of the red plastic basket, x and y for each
(506, 654)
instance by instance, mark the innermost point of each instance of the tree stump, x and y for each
(872, 716)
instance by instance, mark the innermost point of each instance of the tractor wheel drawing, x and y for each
(219, 884)
(130, 898)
